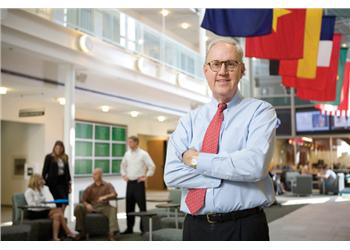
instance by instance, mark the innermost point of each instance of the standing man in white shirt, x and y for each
(136, 166)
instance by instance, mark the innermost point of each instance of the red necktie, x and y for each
(195, 196)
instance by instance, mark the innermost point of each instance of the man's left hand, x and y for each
(101, 198)
(142, 178)
(188, 155)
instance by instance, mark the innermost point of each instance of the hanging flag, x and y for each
(340, 76)
(323, 87)
(325, 45)
(273, 67)
(286, 39)
(324, 53)
(238, 22)
(343, 108)
(290, 67)
(344, 103)
(327, 30)
(307, 66)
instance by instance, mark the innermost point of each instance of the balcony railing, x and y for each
(115, 27)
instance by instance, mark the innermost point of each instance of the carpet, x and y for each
(277, 211)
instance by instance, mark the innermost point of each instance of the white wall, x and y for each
(52, 130)
(18, 140)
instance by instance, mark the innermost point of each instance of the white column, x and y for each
(69, 126)
(331, 152)
(292, 119)
(292, 111)
(201, 39)
(247, 83)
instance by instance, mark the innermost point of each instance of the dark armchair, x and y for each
(41, 229)
(96, 223)
(302, 185)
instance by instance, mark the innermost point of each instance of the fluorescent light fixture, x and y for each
(164, 12)
(185, 26)
(85, 44)
(3, 91)
(161, 118)
(134, 113)
(105, 108)
(61, 100)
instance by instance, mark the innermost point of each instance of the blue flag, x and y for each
(327, 30)
(238, 22)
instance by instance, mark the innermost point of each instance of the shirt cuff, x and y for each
(204, 163)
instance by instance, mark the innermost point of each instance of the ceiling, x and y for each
(153, 18)
(172, 23)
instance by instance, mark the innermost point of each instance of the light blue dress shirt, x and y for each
(237, 177)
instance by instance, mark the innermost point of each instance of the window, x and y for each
(99, 146)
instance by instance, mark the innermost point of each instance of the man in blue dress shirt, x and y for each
(223, 193)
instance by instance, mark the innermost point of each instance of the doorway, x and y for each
(156, 147)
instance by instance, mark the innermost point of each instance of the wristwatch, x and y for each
(194, 162)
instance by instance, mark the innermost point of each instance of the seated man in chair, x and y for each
(96, 199)
(328, 180)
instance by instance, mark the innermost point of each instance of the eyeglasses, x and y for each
(230, 65)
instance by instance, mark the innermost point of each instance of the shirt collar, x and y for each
(102, 183)
(234, 101)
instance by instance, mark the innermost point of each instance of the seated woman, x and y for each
(36, 195)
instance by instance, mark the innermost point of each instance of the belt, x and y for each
(223, 217)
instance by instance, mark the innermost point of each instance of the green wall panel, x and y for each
(101, 149)
(118, 134)
(100, 141)
(102, 133)
(83, 148)
(116, 166)
(83, 131)
(103, 164)
(118, 149)
(83, 167)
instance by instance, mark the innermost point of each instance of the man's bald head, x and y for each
(97, 175)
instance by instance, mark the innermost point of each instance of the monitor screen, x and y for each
(341, 123)
(284, 124)
(311, 121)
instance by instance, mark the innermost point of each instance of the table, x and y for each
(59, 201)
(146, 214)
(171, 205)
(158, 200)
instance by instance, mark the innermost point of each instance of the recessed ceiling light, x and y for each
(134, 113)
(140, 41)
(61, 100)
(185, 26)
(161, 118)
(164, 12)
(105, 108)
(3, 91)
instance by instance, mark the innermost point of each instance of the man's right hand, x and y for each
(125, 178)
(89, 208)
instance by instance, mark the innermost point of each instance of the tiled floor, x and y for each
(323, 221)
